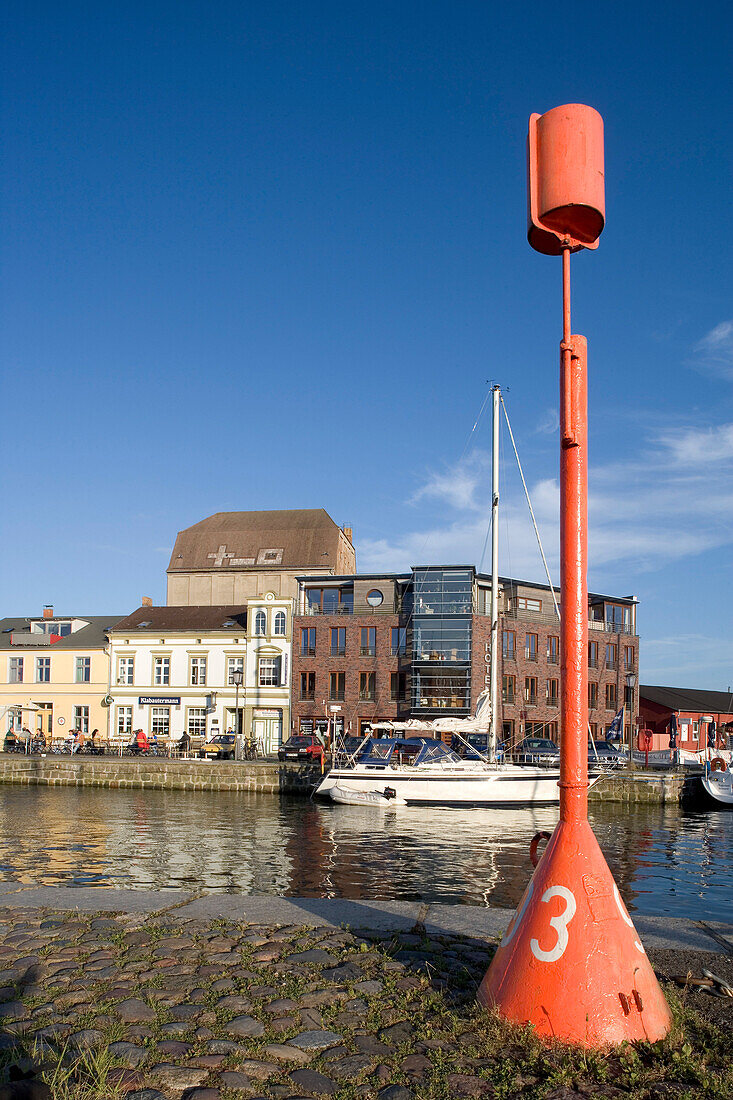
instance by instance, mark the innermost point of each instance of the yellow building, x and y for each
(55, 674)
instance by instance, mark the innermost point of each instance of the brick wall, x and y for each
(351, 664)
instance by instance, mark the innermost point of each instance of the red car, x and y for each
(303, 746)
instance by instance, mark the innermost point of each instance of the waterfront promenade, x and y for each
(167, 995)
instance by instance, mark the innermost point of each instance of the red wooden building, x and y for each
(696, 708)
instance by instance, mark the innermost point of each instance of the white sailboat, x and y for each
(411, 765)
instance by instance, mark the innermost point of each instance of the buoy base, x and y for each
(571, 963)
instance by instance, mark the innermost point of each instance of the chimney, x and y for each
(48, 611)
(147, 601)
(349, 533)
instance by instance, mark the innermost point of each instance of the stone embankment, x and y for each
(159, 773)
(169, 1005)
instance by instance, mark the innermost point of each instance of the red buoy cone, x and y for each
(571, 963)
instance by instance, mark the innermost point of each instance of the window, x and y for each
(553, 649)
(234, 664)
(618, 618)
(508, 689)
(15, 719)
(260, 622)
(398, 686)
(338, 641)
(375, 598)
(198, 671)
(611, 699)
(43, 670)
(368, 641)
(398, 643)
(307, 685)
(592, 696)
(592, 654)
(81, 719)
(530, 690)
(508, 641)
(269, 671)
(611, 655)
(628, 658)
(329, 601)
(83, 670)
(367, 685)
(279, 623)
(552, 692)
(126, 670)
(160, 721)
(530, 647)
(337, 685)
(124, 721)
(308, 641)
(15, 670)
(161, 671)
(196, 722)
(524, 603)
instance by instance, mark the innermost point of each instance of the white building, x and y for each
(175, 670)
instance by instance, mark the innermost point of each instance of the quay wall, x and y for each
(160, 773)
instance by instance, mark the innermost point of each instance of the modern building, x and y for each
(385, 646)
(55, 673)
(696, 708)
(232, 557)
(203, 670)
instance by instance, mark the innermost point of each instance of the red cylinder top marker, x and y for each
(566, 179)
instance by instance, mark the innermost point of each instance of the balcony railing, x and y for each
(308, 696)
(307, 651)
(367, 651)
(366, 695)
(336, 696)
(338, 650)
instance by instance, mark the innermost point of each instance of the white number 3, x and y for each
(559, 923)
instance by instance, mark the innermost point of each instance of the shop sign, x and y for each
(267, 713)
(159, 700)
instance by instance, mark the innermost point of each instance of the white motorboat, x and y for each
(424, 771)
(717, 785)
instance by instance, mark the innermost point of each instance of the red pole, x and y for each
(573, 564)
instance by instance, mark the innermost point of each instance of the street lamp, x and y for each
(237, 676)
(630, 684)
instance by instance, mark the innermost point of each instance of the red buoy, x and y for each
(572, 964)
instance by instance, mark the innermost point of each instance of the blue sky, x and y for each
(269, 255)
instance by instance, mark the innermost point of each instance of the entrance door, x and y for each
(44, 718)
(268, 733)
(235, 719)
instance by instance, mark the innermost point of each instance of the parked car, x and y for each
(220, 747)
(536, 750)
(605, 755)
(471, 746)
(303, 746)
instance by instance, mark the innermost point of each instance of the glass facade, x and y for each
(441, 639)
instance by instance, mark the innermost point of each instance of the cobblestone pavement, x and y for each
(192, 1009)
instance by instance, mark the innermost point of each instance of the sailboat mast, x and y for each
(494, 659)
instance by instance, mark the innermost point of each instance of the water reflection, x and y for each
(664, 861)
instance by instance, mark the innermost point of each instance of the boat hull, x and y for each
(510, 786)
(717, 790)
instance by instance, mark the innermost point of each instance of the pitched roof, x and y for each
(155, 619)
(296, 538)
(690, 699)
(92, 636)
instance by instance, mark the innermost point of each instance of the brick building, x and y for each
(385, 646)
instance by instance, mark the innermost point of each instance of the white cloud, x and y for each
(696, 446)
(714, 351)
(686, 660)
(459, 486)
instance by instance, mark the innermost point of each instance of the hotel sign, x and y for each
(159, 700)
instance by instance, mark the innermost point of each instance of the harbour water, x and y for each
(665, 861)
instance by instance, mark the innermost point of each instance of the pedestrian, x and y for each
(674, 726)
(78, 742)
(712, 734)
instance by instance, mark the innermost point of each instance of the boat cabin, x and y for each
(394, 751)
